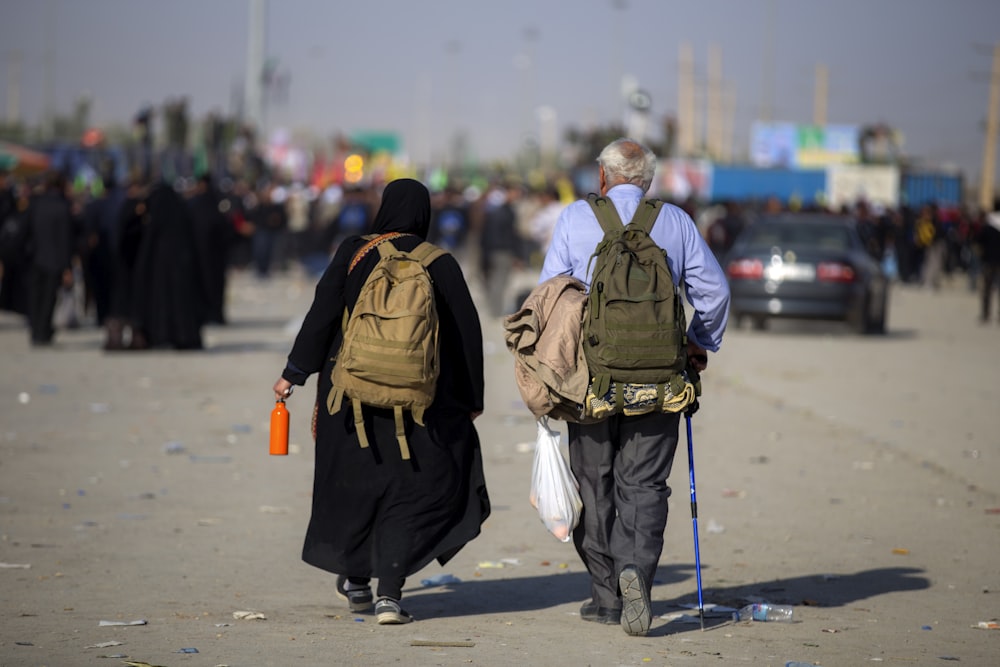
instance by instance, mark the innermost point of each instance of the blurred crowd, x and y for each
(148, 261)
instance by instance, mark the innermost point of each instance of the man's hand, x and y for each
(697, 356)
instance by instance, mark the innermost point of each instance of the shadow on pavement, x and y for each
(545, 592)
(818, 590)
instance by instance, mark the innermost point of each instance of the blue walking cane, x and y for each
(695, 377)
(694, 521)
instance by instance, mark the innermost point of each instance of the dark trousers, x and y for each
(43, 288)
(264, 241)
(991, 284)
(622, 465)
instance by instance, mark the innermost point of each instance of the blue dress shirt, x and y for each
(692, 264)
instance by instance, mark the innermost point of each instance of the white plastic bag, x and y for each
(554, 489)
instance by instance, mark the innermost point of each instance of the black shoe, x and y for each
(358, 599)
(388, 612)
(591, 611)
(636, 616)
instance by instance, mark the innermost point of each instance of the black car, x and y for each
(805, 266)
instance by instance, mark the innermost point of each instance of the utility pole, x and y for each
(713, 125)
(530, 35)
(820, 98)
(13, 86)
(767, 88)
(621, 6)
(685, 101)
(253, 84)
(728, 122)
(990, 146)
(452, 135)
(48, 128)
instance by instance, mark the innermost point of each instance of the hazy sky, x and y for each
(424, 69)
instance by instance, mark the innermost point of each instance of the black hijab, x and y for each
(406, 208)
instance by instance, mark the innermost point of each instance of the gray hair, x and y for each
(627, 161)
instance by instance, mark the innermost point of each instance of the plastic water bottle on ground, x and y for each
(764, 611)
(440, 580)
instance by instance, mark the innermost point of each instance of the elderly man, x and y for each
(622, 463)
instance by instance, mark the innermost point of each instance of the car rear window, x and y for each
(805, 235)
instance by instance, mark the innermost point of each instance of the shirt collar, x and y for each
(625, 190)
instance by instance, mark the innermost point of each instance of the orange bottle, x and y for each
(279, 429)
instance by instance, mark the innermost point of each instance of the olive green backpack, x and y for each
(635, 330)
(389, 355)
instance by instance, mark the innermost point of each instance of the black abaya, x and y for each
(168, 288)
(375, 514)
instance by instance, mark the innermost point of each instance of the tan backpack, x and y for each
(389, 355)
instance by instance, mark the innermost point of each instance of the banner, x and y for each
(874, 184)
(788, 145)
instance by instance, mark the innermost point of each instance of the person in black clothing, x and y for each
(51, 242)
(101, 230)
(450, 222)
(989, 247)
(270, 220)
(13, 239)
(214, 234)
(352, 220)
(127, 237)
(501, 246)
(723, 232)
(168, 288)
(375, 514)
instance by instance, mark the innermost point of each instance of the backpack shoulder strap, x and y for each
(373, 240)
(386, 249)
(426, 253)
(645, 216)
(606, 213)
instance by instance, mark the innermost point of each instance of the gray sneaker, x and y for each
(636, 615)
(388, 612)
(358, 599)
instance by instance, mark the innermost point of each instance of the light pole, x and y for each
(620, 94)
(990, 146)
(453, 141)
(528, 65)
(254, 75)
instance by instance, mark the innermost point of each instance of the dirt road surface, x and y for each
(854, 478)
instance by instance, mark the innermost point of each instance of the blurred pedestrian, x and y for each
(989, 248)
(214, 235)
(374, 513)
(269, 220)
(723, 232)
(931, 246)
(352, 219)
(128, 236)
(168, 290)
(501, 247)
(622, 463)
(101, 229)
(544, 221)
(51, 241)
(13, 247)
(450, 223)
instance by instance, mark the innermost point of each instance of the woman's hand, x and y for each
(282, 389)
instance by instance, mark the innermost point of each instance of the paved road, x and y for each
(852, 477)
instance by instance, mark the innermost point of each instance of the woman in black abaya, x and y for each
(374, 514)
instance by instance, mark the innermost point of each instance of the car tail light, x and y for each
(835, 272)
(745, 269)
